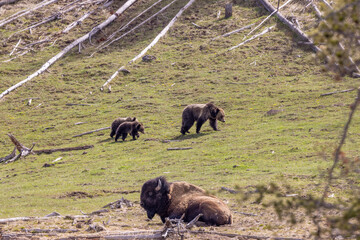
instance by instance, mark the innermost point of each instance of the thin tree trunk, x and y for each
(69, 47)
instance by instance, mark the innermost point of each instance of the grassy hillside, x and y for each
(273, 72)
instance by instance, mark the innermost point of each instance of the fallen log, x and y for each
(23, 13)
(96, 130)
(95, 30)
(48, 151)
(233, 32)
(8, 157)
(156, 39)
(6, 2)
(179, 148)
(340, 91)
(292, 27)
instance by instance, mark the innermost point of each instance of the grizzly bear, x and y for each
(201, 113)
(116, 123)
(132, 128)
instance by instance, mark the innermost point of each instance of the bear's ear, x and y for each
(138, 126)
(134, 119)
(217, 111)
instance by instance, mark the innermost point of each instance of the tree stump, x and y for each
(228, 10)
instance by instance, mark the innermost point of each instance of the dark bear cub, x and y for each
(116, 123)
(132, 128)
(201, 113)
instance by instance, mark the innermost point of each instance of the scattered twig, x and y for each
(36, 230)
(340, 91)
(96, 130)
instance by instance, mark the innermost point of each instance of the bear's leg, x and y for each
(213, 124)
(186, 125)
(199, 123)
(124, 135)
(112, 133)
(134, 134)
(117, 135)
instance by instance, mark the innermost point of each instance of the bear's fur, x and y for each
(132, 128)
(201, 113)
(116, 123)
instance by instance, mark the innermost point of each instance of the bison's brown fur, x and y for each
(201, 113)
(177, 198)
(116, 123)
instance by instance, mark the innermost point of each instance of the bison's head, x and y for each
(154, 196)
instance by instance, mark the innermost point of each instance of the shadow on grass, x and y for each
(190, 136)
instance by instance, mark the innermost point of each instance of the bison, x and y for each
(173, 199)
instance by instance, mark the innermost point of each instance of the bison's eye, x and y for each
(150, 194)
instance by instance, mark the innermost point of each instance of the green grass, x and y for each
(250, 149)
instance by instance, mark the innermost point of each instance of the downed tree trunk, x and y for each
(48, 151)
(22, 13)
(8, 157)
(5, 2)
(293, 28)
(96, 130)
(69, 47)
(156, 39)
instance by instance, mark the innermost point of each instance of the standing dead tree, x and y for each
(156, 39)
(78, 41)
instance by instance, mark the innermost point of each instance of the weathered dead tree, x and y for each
(156, 39)
(303, 37)
(78, 41)
(24, 151)
(6, 2)
(228, 10)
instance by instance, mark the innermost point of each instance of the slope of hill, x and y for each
(274, 72)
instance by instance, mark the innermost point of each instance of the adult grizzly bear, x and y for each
(116, 123)
(177, 198)
(132, 128)
(201, 113)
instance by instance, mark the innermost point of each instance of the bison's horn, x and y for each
(158, 186)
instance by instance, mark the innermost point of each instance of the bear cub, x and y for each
(116, 123)
(201, 113)
(132, 128)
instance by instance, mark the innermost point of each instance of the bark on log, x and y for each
(8, 157)
(156, 39)
(69, 47)
(292, 27)
(48, 151)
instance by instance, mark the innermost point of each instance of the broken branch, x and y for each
(342, 91)
(48, 151)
